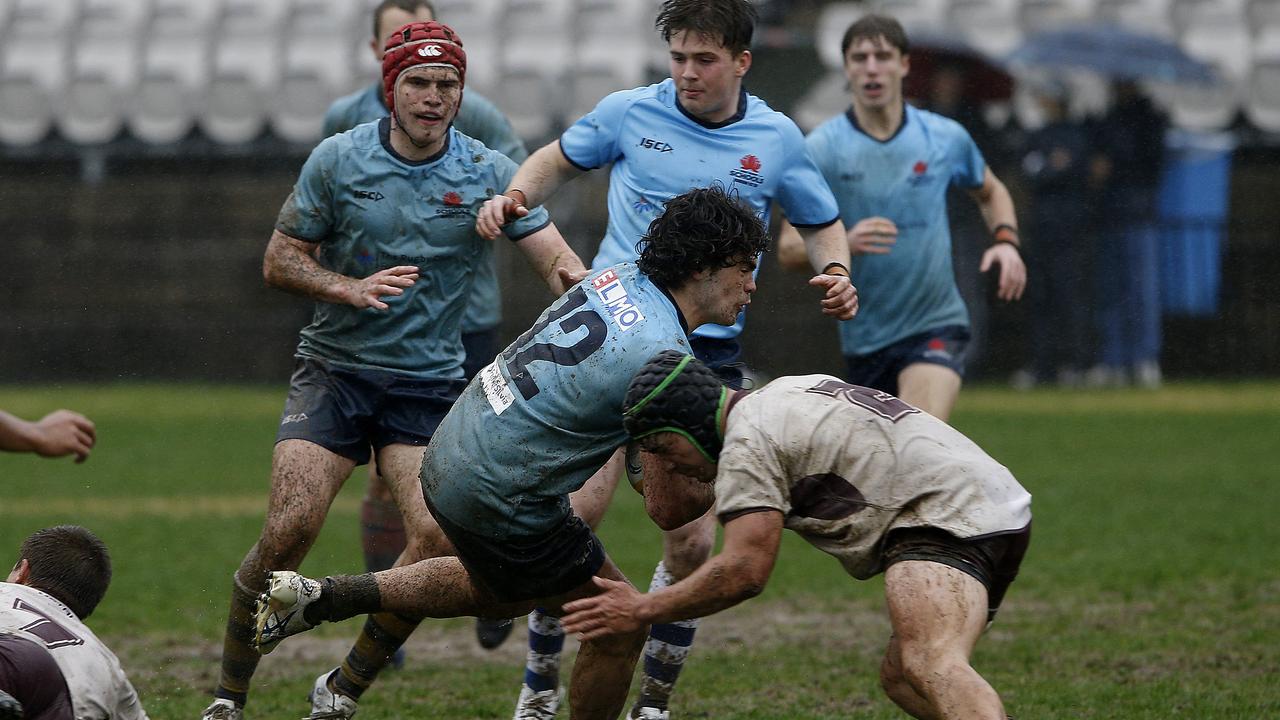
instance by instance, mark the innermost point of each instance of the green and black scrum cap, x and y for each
(675, 392)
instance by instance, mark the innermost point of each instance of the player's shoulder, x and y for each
(937, 125)
(659, 94)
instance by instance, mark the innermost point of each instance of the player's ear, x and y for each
(906, 65)
(742, 63)
(20, 573)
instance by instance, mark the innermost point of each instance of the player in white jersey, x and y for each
(61, 575)
(860, 475)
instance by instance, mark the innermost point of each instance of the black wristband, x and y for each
(1016, 246)
(1004, 226)
(835, 263)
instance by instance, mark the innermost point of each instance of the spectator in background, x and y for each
(1055, 163)
(1129, 157)
(381, 527)
(61, 575)
(61, 432)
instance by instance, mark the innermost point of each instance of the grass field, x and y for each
(1152, 588)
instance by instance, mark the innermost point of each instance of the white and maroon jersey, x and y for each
(99, 688)
(846, 464)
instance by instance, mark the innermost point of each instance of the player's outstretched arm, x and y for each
(552, 259)
(534, 182)
(61, 432)
(738, 573)
(290, 264)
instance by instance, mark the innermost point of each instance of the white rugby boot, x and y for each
(537, 705)
(222, 709)
(327, 704)
(279, 613)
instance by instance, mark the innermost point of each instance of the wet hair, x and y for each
(728, 22)
(875, 27)
(675, 392)
(702, 229)
(71, 564)
(409, 6)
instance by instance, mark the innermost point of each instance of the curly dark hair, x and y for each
(875, 27)
(729, 22)
(703, 229)
(71, 564)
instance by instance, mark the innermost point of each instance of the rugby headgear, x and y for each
(675, 392)
(420, 44)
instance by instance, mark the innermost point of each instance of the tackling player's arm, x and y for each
(535, 181)
(997, 209)
(738, 573)
(61, 432)
(290, 264)
(552, 258)
(825, 250)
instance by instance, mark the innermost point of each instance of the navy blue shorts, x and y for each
(721, 357)
(481, 347)
(348, 411)
(946, 346)
(513, 571)
(30, 674)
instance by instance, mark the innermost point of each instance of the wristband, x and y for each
(1015, 245)
(832, 264)
(1005, 233)
(524, 199)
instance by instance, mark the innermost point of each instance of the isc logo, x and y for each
(429, 51)
(655, 145)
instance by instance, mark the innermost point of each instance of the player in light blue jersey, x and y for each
(380, 231)
(697, 129)
(890, 165)
(381, 527)
(531, 428)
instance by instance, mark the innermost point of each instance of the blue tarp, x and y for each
(1193, 213)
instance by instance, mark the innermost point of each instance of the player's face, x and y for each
(393, 19)
(726, 291)
(707, 75)
(875, 70)
(427, 99)
(677, 456)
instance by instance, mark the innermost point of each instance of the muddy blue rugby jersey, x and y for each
(659, 151)
(370, 209)
(535, 424)
(478, 118)
(912, 289)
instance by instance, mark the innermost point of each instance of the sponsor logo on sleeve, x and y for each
(616, 301)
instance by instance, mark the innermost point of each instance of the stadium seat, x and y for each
(1037, 15)
(833, 20)
(315, 72)
(245, 70)
(104, 69)
(193, 18)
(33, 72)
(1191, 14)
(988, 25)
(1147, 16)
(537, 34)
(1263, 15)
(1224, 42)
(1262, 96)
(915, 15)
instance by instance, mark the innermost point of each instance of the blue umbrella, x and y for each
(1112, 52)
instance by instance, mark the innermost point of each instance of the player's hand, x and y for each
(841, 299)
(872, 236)
(496, 212)
(1013, 272)
(384, 283)
(611, 612)
(63, 432)
(569, 278)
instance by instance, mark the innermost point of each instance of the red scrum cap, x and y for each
(420, 44)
